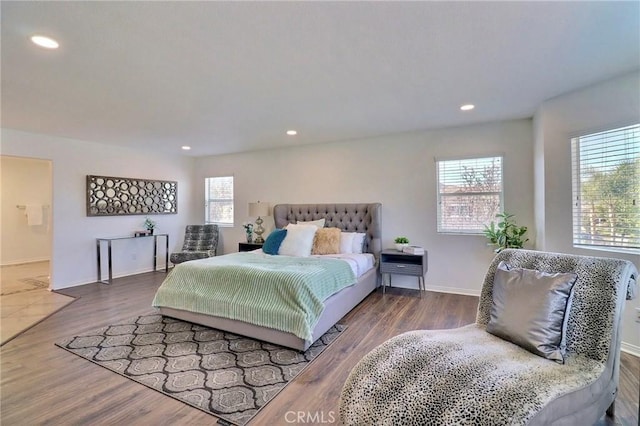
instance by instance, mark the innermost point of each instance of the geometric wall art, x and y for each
(113, 196)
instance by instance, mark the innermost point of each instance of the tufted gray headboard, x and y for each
(366, 217)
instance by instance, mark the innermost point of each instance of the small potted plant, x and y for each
(149, 225)
(401, 243)
(248, 229)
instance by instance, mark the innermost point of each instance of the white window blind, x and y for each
(219, 200)
(606, 188)
(469, 193)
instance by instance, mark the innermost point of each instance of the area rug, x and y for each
(223, 374)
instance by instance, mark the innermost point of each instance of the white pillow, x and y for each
(346, 242)
(358, 242)
(319, 223)
(299, 240)
(352, 242)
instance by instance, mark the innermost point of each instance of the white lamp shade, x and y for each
(258, 209)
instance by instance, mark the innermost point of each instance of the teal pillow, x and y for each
(272, 243)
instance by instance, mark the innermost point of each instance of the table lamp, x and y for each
(259, 209)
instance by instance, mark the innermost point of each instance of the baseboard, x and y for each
(453, 290)
(106, 277)
(630, 349)
(24, 261)
(440, 289)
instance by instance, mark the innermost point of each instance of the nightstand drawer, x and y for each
(400, 268)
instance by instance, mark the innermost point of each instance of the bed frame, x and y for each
(348, 217)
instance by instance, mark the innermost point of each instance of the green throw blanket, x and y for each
(281, 292)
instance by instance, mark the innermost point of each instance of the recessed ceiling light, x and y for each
(186, 147)
(467, 107)
(292, 132)
(46, 42)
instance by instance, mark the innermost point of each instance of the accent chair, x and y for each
(200, 242)
(471, 376)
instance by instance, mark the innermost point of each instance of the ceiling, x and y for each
(228, 77)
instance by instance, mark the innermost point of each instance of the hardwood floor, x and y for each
(43, 384)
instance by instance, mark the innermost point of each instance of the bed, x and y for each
(364, 218)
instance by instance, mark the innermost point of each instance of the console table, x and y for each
(108, 240)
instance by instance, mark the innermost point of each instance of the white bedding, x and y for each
(359, 262)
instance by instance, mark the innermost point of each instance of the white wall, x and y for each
(606, 105)
(74, 234)
(24, 181)
(399, 172)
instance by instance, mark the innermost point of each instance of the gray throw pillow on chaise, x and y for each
(529, 309)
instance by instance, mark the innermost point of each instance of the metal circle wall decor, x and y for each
(112, 196)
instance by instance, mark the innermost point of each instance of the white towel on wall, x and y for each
(34, 214)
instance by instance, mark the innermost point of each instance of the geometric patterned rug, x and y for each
(223, 374)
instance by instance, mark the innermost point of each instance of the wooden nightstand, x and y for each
(396, 262)
(249, 246)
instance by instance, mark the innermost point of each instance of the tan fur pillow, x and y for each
(326, 241)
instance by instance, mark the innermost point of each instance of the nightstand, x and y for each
(396, 262)
(249, 246)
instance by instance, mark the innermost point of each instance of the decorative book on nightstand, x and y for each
(396, 262)
(413, 250)
(249, 246)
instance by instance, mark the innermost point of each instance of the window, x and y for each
(469, 193)
(606, 189)
(218, 197)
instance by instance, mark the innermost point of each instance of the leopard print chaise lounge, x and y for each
(467, 376)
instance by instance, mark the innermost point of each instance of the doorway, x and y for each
(26, 239)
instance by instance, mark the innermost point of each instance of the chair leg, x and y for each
(611, 411)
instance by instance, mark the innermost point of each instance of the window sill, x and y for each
(621, 250)
(462, 233)
(220, 225)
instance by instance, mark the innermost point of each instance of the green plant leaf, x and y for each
(507, 234)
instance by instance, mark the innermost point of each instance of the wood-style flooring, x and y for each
(43, 384)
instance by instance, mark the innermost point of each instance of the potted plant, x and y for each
(401, 243)
(149, 225)
(248, 229)
(506, 234)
